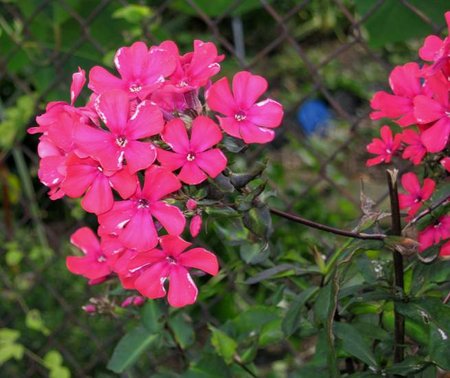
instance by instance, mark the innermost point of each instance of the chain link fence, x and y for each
(334, 53)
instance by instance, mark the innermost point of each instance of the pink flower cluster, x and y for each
(144, 136)
(419, 104)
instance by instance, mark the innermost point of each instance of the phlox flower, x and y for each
(120, 142)
(86, 176)
(141, 70)
(385, 147)
(93, 264)
(52, 168)
(414, 149)
(434, 233)
(132, 220)
(405, 83)
(194, 69)
(436, 50)
(434, 110)
(172, 262)
(195, 155)
(445, 162)
(244, 117)
(416, 195)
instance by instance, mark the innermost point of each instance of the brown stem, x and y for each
(399, 320)
(433, 207)
(323, 227)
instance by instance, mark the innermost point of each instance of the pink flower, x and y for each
(195, 156)
(156, 266)
(445, 250)
(417, 195)
(436, 111)
(194, 69)
(405, 83)
(93, 264)
(435, 49)
(78, 81)
(133, 301)
(445, 162)
(142, 70)
(385, 147)
(195, 225)
(132, 220)
(414, 150)
(87, 176)
(434, 233)
(191, 204)
(121, 142)
(245, 119)
(89, 308)
(52, 167)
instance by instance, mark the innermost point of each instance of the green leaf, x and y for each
(394, 22)
(35, 322)
(274, 271)
(151, 316)
(129, 348)
(215, 8)
(133, 13)
(8, 347)
(291, 321)
(53, 361)
(410, 365)
(224, 345)
(182, 330)
(253, 253)
(354, 344)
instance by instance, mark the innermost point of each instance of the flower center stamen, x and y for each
(134, 88)
(171, 260)
(190, 156)
(240, 116)
(142, 203)
(121, 141)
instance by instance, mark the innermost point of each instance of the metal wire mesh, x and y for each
(255, 49)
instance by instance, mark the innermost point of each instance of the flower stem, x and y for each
(399, 320)
(323, 227)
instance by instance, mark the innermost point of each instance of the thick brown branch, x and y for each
(399, 320)
(323, 227)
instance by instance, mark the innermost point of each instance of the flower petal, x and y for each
(204, 134)
(159, 182)
(139, 155)
(267, 113)
(175, 135)
(151, 282)
(113, 108)
(85, 239)
(200, 258)
(220, 98)
(98, 198)
(100, 80)
(170, 160)
(191, 174)
(254, 134)
(146, 121)
(173, 245)
(247, 88)
(182, 289)
(140, 232)
(212, 161)
(169, 216)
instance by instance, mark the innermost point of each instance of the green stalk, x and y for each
(30, 196)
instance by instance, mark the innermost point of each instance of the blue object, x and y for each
(314, 116)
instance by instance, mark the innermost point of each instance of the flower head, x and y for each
(385, 147)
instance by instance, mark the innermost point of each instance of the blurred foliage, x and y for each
(271, 310)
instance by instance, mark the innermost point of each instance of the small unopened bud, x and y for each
(191, 204)
(195, 226)
(127, 302)
(89, 308)
(138, 301)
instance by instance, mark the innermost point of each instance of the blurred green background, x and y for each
(334, 53)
